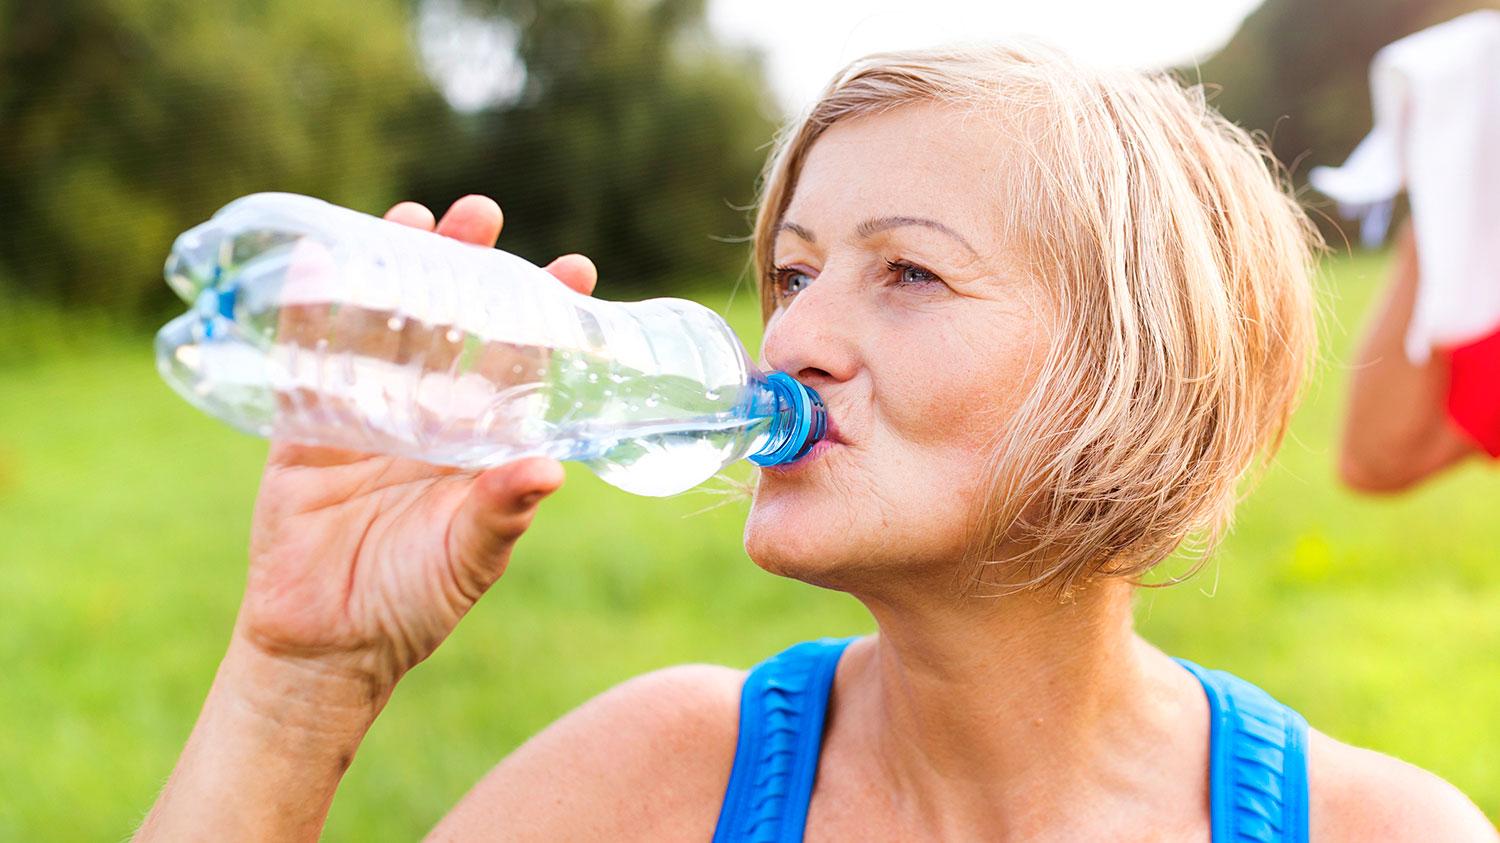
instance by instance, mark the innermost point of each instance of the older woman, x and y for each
(1056, 313)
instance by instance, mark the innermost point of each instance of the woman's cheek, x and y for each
(949, 404)
(937, 397)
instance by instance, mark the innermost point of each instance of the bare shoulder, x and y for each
(1357, 794)
(648, 759)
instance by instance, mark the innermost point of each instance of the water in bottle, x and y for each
(317, 324)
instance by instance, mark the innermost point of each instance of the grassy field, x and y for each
(123, 522)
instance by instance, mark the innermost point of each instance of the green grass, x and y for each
(124, 515)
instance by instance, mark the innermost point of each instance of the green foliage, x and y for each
(126, 121)
(129, 120)
(636, 139)
(126, 512)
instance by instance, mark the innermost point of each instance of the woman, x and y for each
(1055, 313)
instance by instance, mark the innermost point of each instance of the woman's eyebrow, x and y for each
(869, 228)
(786, 225)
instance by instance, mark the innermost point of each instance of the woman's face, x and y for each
(904, 304)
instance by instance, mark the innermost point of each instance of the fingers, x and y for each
(472, 219)
(477, 219)
(576, 271)
(498, 509)
(412, 214)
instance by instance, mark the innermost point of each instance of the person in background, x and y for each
(1402, 425)
(1425, 387)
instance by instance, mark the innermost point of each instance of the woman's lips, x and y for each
(813, 453)
(831, 433)
(831, 439)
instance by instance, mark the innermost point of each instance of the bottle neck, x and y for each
(798, 419)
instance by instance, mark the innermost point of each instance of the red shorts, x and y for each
(1474, 391)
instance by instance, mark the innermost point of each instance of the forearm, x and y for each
(267, 753)
(1397, 430)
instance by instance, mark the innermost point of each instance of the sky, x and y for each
(807, 41)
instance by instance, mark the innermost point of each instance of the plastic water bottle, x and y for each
(321, 325)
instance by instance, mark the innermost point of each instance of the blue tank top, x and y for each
(1257, 753)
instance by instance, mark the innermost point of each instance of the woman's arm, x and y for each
(647, 760)
(360, 566)
(266, 754)
(1396, 431)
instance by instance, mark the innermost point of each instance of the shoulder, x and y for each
(649, 758)
(1357, 794)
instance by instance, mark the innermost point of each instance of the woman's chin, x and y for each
(792, 537)
(784, 538)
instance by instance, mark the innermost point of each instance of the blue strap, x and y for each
(1257, 753)
(1257, 762)
(782, 707)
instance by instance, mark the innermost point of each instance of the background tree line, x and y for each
(634, 137)
(631, 134)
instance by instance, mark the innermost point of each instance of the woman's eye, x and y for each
(791, 281)
(908, 273)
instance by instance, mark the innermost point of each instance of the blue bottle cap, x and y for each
(809, 421)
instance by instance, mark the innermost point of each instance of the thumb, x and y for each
(497, 510)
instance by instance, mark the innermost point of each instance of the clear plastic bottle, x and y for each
(322, 325)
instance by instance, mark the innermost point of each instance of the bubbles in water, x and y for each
(652, 402)
(395, 323)
(593, 377)
(580, 364)
(712, 395)
(616, 377)
(578, 405)
(516, 369)
(540, 372)
(608, 393)
(453, 335)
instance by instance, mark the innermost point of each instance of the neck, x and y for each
(988, 710)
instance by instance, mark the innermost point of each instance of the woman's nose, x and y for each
(812, 336)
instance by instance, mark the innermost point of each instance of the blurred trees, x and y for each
(635, 139)
(123, 122)
(1299, 71)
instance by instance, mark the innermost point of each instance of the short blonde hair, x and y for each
(1179, 269)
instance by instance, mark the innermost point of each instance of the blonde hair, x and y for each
(1180, 272)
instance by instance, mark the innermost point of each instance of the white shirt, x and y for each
(1436, 97)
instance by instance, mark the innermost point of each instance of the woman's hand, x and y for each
(360, 565)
